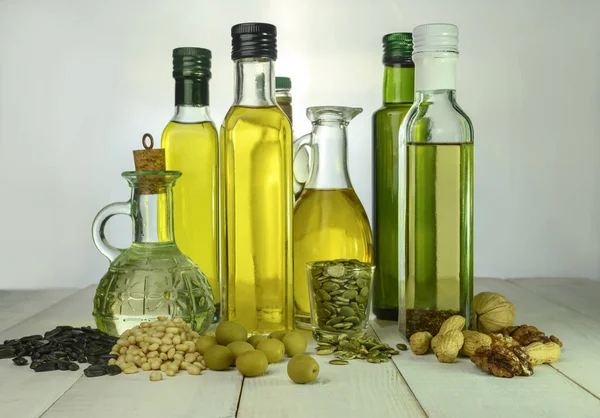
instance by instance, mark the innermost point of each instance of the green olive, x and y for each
(239, 347)
(302, 369)
(228, 332)
(252, 363)
(278, 335)
(255, 339)
(218, 357)
(295, 343)
(273, 348)
(204, 342)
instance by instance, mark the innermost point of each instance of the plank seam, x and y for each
(60, 397)
(576, 383)
(239, 401)
(401, 375)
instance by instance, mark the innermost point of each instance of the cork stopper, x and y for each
(150, 159)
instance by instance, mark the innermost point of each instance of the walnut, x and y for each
(528, 334)
(502, 360)
(493, 312)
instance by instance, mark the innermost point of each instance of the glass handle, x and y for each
(301, 146)
(100, 241)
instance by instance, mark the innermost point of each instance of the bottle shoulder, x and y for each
(437, 122)
(268, 117)
(200, 130)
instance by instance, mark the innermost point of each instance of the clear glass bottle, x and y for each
(438, 206)
(190, 141)
(153, 277)
(330, 222)
(256, 189)
(398, 95)
(283, 95)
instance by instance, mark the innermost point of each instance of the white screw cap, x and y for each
(435, 38)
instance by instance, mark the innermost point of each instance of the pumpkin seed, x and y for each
(337, 270)
(353, 319)
(323, 295)
(326, 351)
(401, 347)
(344, 355)
(335, 320)
(338, 362)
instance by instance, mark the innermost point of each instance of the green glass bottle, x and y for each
(398, 95)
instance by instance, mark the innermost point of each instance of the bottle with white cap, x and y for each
(437, 140)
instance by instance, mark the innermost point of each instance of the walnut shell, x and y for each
(493, 312)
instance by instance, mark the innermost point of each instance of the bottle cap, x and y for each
(254, 40)
(436, 38)
(283, 83)
(397, 47)
(191, 62)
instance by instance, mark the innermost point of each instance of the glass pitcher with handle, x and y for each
(152, 278)
(330, 222)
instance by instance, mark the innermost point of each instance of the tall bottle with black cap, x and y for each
(438, 138)
(398, 95)
(256, 189)
(190, 141)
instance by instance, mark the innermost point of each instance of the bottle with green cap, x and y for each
(437, 136)
(283, 87)
(190, 141)
(398, 94)
(256, 189)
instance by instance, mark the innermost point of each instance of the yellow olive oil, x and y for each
(439, 226)
(256, 207)
(328, 225)
(192, 149)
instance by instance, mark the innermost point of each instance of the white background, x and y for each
(81, 81)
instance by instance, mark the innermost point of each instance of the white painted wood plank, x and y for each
(29, 394)
(360, 390)
(461, 390)
(580, 334)
(17, 305)
(581, 295)
(212, 394)
(26, 393)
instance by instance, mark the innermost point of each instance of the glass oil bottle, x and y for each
(256, 189)
(398, 95)
(438, 206)
(330, 222)
(190, 141)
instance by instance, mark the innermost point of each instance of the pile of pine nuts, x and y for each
(165, 345)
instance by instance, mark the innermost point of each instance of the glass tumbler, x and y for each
(340, 297)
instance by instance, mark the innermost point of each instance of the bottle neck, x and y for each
(152, 217)
(435, 73)
(398, 83)
(191, 114)
(191, 91)
(254, 82)
(328, 145)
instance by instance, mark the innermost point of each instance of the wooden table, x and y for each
(410, 386)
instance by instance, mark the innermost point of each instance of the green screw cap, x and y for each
(191, 62)
(397, 47)
(283, 83)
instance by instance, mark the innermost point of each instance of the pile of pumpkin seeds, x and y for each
(345, 348)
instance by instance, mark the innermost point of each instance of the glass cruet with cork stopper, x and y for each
(153, 277)
(330, 221)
